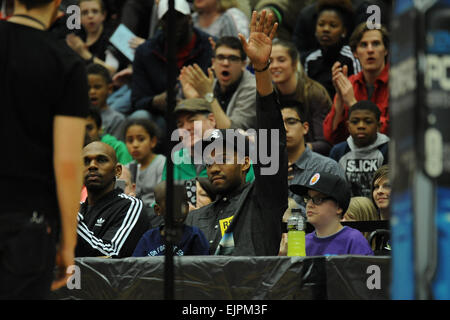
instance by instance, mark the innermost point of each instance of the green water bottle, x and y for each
(296, 234)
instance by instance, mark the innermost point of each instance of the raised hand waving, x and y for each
(259, 44)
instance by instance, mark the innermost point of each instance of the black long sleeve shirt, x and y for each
(111, 227)
(252, 214)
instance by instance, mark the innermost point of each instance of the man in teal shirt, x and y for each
(188, 112)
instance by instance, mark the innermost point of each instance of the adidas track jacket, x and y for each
(111, 227)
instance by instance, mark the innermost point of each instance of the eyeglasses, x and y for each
(291, 121)
(231, 58)
(316, 200)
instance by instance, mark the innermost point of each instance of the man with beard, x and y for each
(150, 65)
(110, 223)
(44, 101)
(245, 219)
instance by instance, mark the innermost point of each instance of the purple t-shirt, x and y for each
(346, 241)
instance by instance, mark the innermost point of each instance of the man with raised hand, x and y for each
(246, 218)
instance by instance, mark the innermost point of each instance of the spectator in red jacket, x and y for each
(371, 47)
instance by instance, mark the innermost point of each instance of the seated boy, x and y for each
(365, 149)
(193, 241)
(94, 133)
(327, 198)
(100, 86)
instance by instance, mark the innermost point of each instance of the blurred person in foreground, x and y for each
(45, 102)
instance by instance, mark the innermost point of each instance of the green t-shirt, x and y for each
(120, 147)
(184, 169)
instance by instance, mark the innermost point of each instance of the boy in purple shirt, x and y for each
(327, 198)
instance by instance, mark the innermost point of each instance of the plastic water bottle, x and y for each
(296, 234)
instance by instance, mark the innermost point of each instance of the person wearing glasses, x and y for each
(302, 160)
(292, 83)
(327, 198)
(232, 93)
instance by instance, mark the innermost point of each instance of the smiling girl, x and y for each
(293, 84)
(381, 191)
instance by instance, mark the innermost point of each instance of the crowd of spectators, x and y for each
(330, 76)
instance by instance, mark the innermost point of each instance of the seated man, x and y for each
(245, 219)
(150, 65)
(110, 223)
(129, 184)
(302, 160)
(232, 93)
(191, 114)
(371, 47)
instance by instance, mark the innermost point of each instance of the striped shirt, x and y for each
(112, 226)
(318, 65)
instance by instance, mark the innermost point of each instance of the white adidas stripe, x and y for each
(130, 220)
(122, 233)
(311, 57)
(347, 52)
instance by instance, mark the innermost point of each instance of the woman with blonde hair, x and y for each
(220, 18)
(361, 209)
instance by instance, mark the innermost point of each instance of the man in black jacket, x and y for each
(150, 65)
(110, 223)
(246, 218)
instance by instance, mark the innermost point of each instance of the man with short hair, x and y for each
(371, 47)
(191, 114)
(43, 89)
(130, 185)
(302, 160)
(245, 219)
(232, 93)
(110, 223)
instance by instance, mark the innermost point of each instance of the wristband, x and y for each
(277, 13)
(265, 68)
(90, 60)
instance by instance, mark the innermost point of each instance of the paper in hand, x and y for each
(120, 39)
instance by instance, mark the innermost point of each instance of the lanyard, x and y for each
(30, 18)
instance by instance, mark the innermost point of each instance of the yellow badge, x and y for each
(224, 223)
